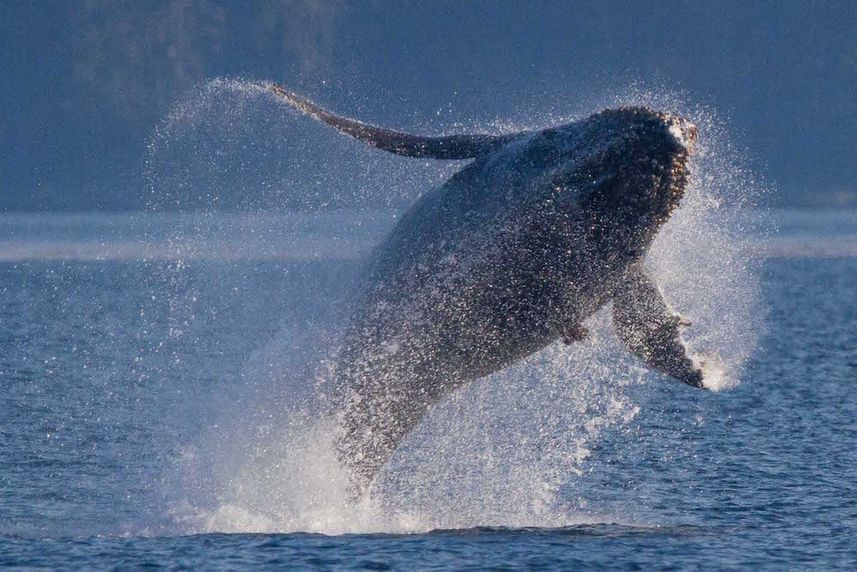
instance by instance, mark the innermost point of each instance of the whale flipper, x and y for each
(464, 146)
(650, 329)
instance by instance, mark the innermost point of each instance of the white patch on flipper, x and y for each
(714, 375)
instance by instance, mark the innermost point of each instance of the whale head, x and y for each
(623, 172)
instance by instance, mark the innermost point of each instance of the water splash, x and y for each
(496, 453)
(231, 145)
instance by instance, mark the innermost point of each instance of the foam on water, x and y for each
(499, 451)
(495, 454)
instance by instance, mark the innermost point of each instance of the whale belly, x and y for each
(448, 300)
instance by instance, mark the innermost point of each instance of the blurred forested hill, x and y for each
(83, 83)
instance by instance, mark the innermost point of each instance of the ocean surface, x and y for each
(162, 383)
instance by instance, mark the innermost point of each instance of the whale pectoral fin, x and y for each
(650, 329)
(448, 147)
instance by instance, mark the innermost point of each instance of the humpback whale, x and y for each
(512, 253)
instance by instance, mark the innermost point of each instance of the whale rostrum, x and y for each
(512, 253)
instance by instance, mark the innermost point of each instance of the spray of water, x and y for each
(499, 451)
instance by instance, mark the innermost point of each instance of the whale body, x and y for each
(510, 254)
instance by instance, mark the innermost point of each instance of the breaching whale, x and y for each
(510, 254)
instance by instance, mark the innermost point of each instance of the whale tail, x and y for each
(464, 146)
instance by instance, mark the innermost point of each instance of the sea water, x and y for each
(157, 404)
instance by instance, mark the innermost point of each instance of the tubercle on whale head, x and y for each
(685, 135)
